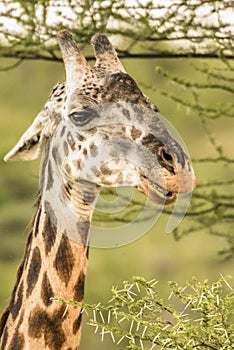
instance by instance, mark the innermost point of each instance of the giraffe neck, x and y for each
(53, 265)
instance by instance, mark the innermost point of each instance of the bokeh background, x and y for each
(23, 91)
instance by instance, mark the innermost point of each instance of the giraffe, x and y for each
(97, 130)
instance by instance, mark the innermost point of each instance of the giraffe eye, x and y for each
(83, 117)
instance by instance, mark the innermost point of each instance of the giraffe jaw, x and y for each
(155, 192)
(159, 196)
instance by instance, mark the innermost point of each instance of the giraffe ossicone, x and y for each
(97, 130)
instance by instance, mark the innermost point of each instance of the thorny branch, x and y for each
(144, 29)
(194, 316)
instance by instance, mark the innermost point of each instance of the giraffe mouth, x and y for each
(155, 192)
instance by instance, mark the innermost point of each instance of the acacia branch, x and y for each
(52, 55)
(177, 27)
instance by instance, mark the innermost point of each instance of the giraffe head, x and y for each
(99, 128)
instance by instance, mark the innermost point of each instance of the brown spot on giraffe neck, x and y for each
(18, 302)
(34, 270)
(46, 291)
(49, 234)
(64, 260)
(41, 324)
(77, 324)
(17, 341)
(79, 287)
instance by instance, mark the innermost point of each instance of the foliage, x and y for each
(193, 28)
(198, 315)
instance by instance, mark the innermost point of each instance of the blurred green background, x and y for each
(23, 91)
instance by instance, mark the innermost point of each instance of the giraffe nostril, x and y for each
(169, 194)
(165, 155)
(165, 159)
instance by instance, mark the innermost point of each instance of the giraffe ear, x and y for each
(30, 143)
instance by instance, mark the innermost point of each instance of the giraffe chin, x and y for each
(155, 193)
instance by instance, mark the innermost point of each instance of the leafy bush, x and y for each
(198, 316)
